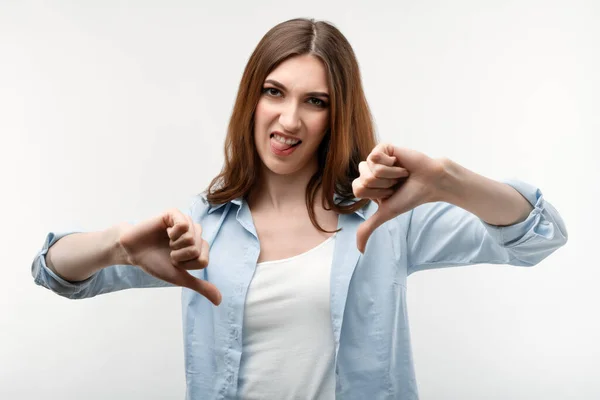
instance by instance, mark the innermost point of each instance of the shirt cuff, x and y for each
(47, 278)
(532, 226)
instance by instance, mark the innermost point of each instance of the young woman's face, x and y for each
(292, 115)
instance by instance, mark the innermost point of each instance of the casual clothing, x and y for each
(287, 343)
(372, 352)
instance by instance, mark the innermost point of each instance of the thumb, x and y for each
(203, 287)
(368, 227)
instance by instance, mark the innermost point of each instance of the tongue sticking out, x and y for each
(280, 146)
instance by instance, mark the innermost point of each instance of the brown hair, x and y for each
(351, 135)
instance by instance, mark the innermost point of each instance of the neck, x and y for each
(282, 193)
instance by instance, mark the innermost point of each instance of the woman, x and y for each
(313, 229)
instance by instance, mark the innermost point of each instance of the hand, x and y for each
(398, 180)
(166, 247)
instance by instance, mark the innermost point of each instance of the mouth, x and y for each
(272, 136)
(281, 147)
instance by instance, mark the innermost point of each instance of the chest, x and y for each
(288, 235)
(368, 290)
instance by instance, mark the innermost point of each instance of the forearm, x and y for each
(78, 256)
(494, 202)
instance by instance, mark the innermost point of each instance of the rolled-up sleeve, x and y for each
(109, 279)
(44, 276)
(443, 235)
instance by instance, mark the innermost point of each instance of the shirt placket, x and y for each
(235, 304)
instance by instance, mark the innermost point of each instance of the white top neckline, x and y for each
(282, 260)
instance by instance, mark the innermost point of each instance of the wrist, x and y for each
(452, 182)
(115, 253)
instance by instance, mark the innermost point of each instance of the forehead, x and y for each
(303, 73)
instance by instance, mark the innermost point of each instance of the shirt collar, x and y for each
(240, 200)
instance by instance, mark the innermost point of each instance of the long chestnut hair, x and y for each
(351, 135)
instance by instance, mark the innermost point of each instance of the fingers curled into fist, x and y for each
(188, 249)
(380, 175)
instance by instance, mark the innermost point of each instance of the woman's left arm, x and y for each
(455, 216)
(496, 203)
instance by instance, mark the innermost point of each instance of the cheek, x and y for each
(317, 124)
(264, 114)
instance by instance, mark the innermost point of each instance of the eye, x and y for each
(317, 102)
(271, 91)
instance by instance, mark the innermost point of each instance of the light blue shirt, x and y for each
(373, 357)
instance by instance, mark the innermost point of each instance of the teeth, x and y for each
(289, 142)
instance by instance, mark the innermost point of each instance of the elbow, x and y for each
(558, 234)
(62, 291)
(536, 254)
(46, 278)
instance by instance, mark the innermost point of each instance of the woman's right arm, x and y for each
(79, 265)
(166, 250)
(76, 257)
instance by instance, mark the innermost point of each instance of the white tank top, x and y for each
(288, 346)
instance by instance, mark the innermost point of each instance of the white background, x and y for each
(114, 110)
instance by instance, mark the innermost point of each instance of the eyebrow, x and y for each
(282, 87)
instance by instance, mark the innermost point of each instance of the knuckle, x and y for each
(203, 258)
(203, 262)
(184, 224)
(368, 180)
(181, 228)
(378, 169)
(188, 239)
(358, 186)
(193, 252)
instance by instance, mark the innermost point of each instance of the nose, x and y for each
(289, 117)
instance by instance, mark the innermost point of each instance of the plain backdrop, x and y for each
(114, 110)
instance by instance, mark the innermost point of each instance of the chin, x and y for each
(280, 168)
